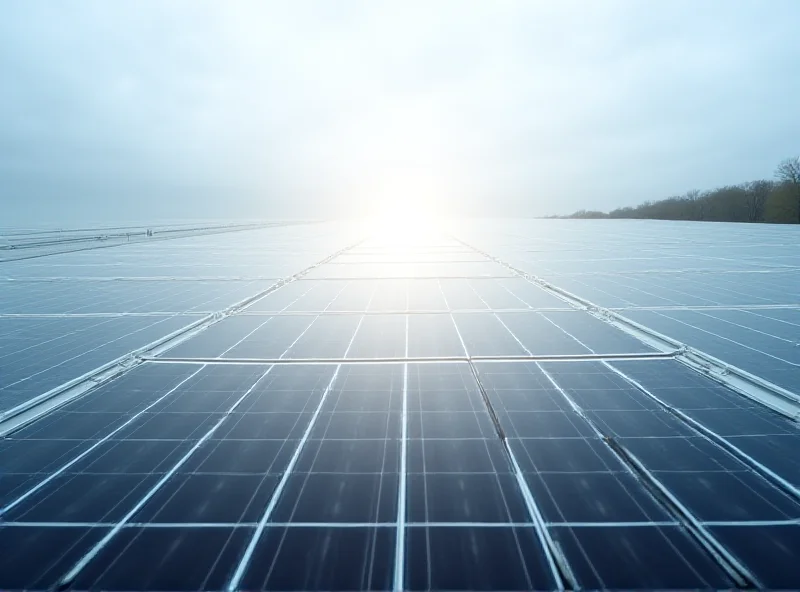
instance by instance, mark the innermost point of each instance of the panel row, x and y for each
(418, 335)
(412, 295)
(273, 459)
(76, 297)
(37, 355)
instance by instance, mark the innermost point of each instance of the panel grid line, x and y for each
(392, 525)
(244, 562)
(265, 322)
(400, 538)
(282, 476)
(712, 436)
(94, 446)
(558, 564)
(70, 576)
(420, 359)
(734, 568)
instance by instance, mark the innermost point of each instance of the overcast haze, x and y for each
(149, 110)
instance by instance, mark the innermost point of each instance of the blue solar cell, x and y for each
(452, 474)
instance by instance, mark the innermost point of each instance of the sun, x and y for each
(403, 221)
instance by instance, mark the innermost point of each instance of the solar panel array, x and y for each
(731, 290)
(450, 410)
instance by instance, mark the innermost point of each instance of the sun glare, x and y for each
(403, 224)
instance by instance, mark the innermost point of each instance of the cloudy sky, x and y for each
(152, 109)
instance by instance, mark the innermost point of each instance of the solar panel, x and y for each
(522, 405)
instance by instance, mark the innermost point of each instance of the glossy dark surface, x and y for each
(347, 474)
(327, 558)
(744, 340)
(36, 557)
(178, 559)
(756, 431)
(648, 557)
(594, 497)
(445, 558)
(771, 552)
(40, 354)
(209, 498)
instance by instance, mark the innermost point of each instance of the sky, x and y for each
(156, 109)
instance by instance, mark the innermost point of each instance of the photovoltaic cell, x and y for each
(760, 352)
(38, 355)
(343, 466)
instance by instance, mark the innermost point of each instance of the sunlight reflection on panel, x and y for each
(403, 231)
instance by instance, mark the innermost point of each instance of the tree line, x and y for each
(775, 201)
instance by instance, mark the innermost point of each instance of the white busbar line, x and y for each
(92, 553)
(244, 562)
(94, 446)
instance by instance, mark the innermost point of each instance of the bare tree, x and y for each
(698, 199)
(757, 195)
(788, 172)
